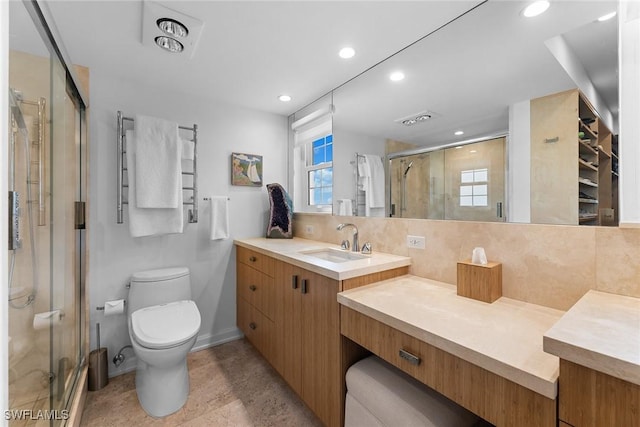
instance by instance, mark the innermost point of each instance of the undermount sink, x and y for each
(334, 255)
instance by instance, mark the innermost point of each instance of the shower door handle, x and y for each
(80, 215)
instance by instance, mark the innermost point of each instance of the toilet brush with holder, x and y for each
(98, 365)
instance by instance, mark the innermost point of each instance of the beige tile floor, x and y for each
(231, 385)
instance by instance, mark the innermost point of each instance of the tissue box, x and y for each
(480, 282)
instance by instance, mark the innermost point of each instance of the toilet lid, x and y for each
(165, 325)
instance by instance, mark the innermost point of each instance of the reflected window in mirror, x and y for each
(320, 173)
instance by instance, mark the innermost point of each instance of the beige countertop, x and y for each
(504, 337)
(293, 252)
(602, 332)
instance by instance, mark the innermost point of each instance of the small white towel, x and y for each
(158, 168)
(219, 218)
(148, 222)
(345, 207)
(188, 151)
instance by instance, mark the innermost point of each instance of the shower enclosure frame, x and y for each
(70, 392)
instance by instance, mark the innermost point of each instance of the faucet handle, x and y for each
(345, 244)
(366, 248)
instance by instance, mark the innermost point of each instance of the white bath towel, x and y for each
(219, 218)
(158, 168)
(372, 182)
(345, 207)
(148, 222)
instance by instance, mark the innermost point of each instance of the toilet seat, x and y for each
(165, 325)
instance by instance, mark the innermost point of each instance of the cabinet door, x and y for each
(321, 383)
(288, 330)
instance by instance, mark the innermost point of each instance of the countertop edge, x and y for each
(523, 378)
(591, 359)
(332, 274)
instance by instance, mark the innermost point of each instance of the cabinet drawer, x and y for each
(257, 289)
(255, 259)
(258, 329)
(492, 397)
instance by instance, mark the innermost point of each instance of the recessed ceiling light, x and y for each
(396, 76)
(458, 133)
(172, 27)
(346, 52)
(169, 44)
(473, 151)
(458, 147)
(536, 8)
(284, 98)
(607, 16)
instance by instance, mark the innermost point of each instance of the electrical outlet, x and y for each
(416, 242)
(308, 229)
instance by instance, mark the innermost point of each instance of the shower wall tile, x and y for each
(550, 265)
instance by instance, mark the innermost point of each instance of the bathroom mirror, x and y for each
(468, 77)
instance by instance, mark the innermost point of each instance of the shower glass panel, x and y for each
(46, 255)
(465, 182)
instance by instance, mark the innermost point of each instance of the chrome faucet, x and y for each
(354, 246)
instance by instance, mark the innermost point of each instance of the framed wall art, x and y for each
(246, 169)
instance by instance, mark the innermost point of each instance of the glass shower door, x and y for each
(46, 177)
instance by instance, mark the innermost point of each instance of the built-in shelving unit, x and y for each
(564, 126)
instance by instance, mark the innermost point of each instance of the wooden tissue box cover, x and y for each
(480, 282)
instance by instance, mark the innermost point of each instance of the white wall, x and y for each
(629, 30)
(519, 163)
(114, 255)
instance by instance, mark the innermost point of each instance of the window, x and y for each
(320, 172)
(474, 187)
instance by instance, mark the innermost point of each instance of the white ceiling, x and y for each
(250, 52)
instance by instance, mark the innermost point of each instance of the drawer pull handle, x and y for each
(294, 281)
(414, 360)
(253, 259)
(252, 325)
(253, 288)
(303, 286)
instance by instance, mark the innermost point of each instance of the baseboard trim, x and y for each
(210, 340)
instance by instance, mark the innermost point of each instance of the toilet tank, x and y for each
(161, 286)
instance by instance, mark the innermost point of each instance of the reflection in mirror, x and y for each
(462, 182)
(482, 74)
(311, 166)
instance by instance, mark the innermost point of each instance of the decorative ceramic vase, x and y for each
(280, 213)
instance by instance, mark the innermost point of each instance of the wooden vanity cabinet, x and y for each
(297, 327)
(589, 398)
(255, 298)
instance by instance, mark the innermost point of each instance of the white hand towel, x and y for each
(148, 222)
(158, 168)
(219, 218)
(188, 152)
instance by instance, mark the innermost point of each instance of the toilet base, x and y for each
(162, 391)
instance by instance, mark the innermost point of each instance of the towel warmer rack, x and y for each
(122, 150)
(359, 207)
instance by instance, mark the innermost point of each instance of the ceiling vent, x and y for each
(170, 30)
(416, 118)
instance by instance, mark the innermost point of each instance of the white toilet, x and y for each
(163, 326)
